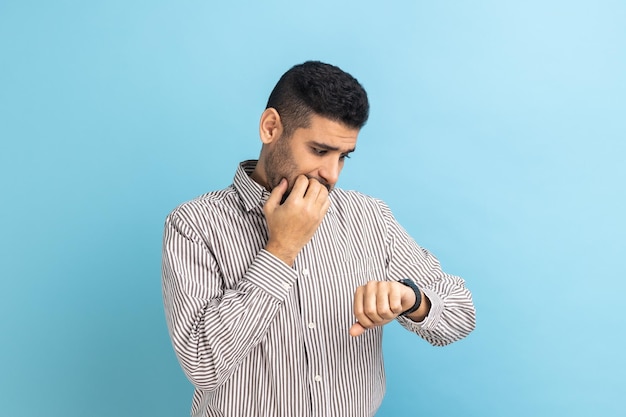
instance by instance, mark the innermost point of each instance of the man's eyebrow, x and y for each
(328, 147)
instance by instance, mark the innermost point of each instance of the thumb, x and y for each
(277, 194)
(357, 329)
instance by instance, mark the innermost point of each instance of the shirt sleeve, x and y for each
(452, 315)
(214, 328)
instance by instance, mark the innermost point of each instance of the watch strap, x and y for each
(418, 296)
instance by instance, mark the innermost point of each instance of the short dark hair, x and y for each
(322, 89)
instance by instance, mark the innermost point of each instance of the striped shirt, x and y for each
(259, 338)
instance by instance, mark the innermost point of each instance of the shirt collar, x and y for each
(252, 193)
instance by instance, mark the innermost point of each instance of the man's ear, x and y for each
(271, 126)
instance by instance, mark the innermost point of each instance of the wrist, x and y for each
(418, 297)
(286, 255)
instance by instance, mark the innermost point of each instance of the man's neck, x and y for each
(258, 175)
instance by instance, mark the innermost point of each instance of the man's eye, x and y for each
(344, 156)
(318, 151)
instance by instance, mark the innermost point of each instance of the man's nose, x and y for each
(329, 172)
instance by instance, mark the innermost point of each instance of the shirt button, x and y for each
(286, 286)
(311, 325)
(305, 272)
(318, 378)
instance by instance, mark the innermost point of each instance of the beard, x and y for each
(280, 163)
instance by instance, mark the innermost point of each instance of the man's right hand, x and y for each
(292, 224)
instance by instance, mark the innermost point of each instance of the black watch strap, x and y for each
(418, 296)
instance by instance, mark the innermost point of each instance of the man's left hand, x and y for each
(378, 303)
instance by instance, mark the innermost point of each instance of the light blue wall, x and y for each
(496, 135)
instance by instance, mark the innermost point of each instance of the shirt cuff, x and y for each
(433, 317)
(271, 275)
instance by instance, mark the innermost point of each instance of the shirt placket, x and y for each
(314, 335)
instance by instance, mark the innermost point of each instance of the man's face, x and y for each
(317, 151)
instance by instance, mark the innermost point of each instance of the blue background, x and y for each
(496, 135)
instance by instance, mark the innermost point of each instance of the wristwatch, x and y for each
(418, 296)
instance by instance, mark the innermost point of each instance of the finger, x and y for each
(371, 303)
(357, 302)
(313, 189)
(382, 301)
(323, 192)
(300, 186)
(370, 317)
(395, 298)
(357, 306)
(357, 330)
(325, 206)
(316, 192)
(321, 202)
(277, 194)
(318, 195)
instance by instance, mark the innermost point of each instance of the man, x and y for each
(276, 288)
